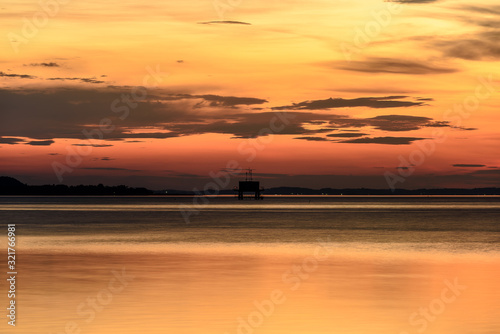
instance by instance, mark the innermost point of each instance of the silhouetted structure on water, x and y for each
(249, 186)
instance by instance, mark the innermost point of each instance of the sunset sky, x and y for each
(354, 93)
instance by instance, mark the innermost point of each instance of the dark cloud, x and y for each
(384, 140)
(370, 102)
(94, 145)
(27, 76)
(22, 76)
(390, 65)
(312, 138)
(51, 64)
(346, 135)
(67, 113)
(40, 143)
(54, 154)
(244, 125)
(317, 122)
(91, 80)
(469, 165)
(250, 125)
(151, 135)
(403, 123)
(10, 141)
(111, 169)
(221, 101)
(85, 80)
(389, 123)
(225, 22)
(107, 159)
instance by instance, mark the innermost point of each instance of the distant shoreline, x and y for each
(12, 187)
(266, 196)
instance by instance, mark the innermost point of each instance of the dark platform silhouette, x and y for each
(249, 186)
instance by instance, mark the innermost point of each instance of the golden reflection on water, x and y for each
(213, 289)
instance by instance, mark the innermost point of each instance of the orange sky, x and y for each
(320, 94)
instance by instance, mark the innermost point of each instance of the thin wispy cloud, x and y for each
(51, 64)
(312, 138)
(346, 135)
(225, 22)
(85, 80)
(12, 75)
(469, 165)
(384, 140)
(93, 145)
(394, 66)
(111, 169)
(413, 1)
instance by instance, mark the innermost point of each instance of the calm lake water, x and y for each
(399, 265)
